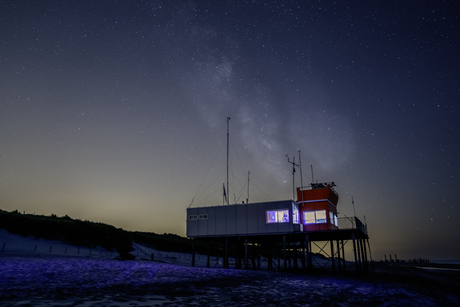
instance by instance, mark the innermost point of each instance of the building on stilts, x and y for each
(281, 233)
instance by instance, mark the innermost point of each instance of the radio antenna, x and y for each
(293, 173)
(228, 137)
(353, 202)
(247, 199)
(312, 179)
(301, 180)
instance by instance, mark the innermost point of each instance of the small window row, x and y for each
(196, 217)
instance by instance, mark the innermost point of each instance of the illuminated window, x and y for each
(333, 219)
(278, 216)
(295, 214)
(314, 217)
(321, 216)
(309, 217)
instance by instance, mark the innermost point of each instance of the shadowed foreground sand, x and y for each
(104, 282)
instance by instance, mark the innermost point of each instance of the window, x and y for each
(193, 217)
(321, 216)
(333, 219)
(203, 216)
(314, 217)
(278, 216)
(295, 214)
(309, 217)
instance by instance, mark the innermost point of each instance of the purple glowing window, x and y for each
(278, 216)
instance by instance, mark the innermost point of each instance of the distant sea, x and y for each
(446, 261)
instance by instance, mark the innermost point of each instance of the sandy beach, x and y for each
(28, 278)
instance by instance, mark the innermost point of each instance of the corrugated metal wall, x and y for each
(240, 219)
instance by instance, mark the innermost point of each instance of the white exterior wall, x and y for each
(239, 219)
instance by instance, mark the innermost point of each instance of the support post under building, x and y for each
(193, 253)
(355, 253)
(284, 253)
(338, 257)
(246, 253)
(332, 255)
(343, 256)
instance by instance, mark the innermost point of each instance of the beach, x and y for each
(98, 279)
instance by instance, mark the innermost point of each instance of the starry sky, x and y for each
(116, 111)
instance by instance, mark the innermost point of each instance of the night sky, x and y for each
(116, 111)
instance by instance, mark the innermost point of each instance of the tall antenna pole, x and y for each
(228, 137)
(312, 179)
(247, 199)
(301, 180)
(293, 177)
(353, 202)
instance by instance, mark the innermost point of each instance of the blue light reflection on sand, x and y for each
(106, 280)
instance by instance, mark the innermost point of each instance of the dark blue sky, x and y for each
(116, 111)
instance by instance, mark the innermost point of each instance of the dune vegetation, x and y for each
(91, 234)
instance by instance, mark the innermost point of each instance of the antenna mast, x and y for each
(301, 180)
(353, 202)
(293, 172)
(312, 179)
(247, 199)
(228, 137)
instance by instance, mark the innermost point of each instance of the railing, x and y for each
(351, 223)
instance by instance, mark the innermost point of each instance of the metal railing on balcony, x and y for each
(352, 223)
